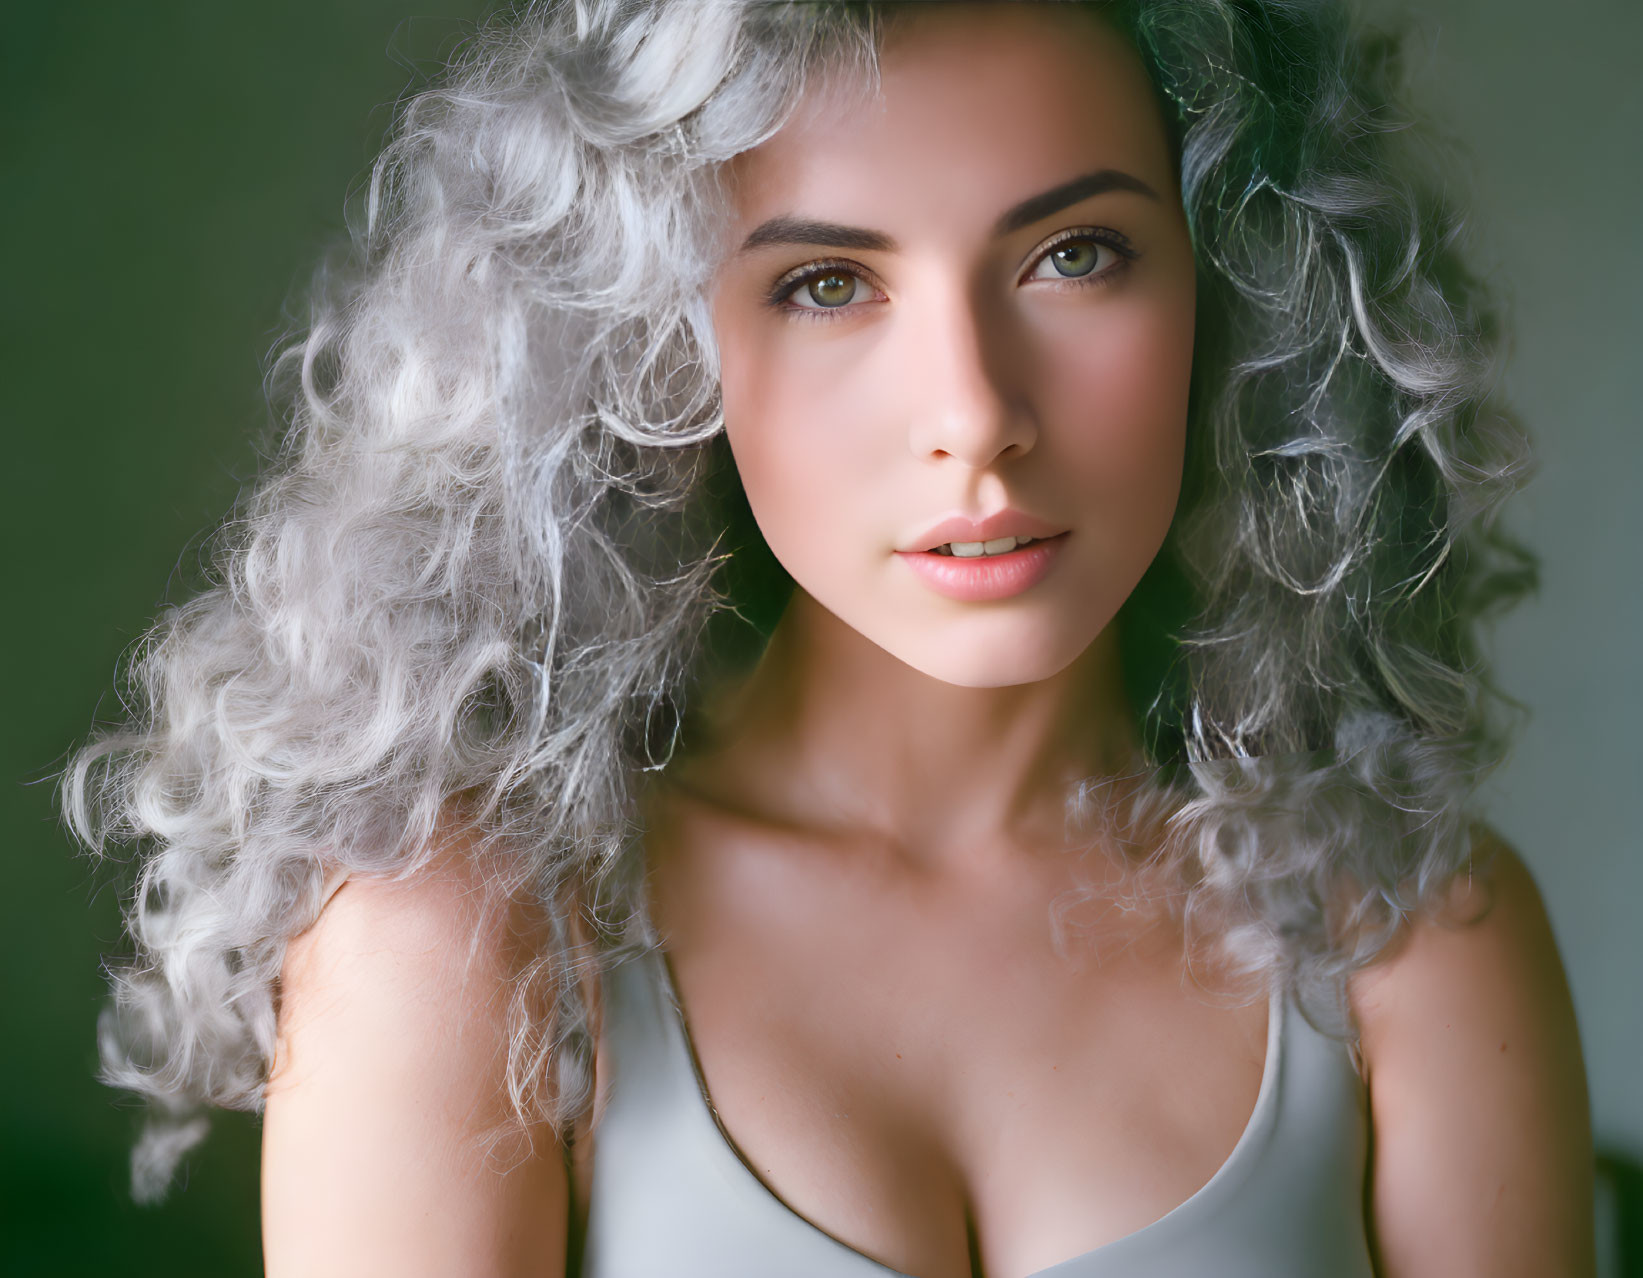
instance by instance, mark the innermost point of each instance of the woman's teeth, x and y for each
(975, 549)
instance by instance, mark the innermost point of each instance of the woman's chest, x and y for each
(937, 1086)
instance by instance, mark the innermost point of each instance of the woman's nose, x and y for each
(967, 404)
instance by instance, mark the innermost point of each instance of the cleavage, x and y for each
(1048, 1110)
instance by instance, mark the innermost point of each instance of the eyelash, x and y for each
(791, 283)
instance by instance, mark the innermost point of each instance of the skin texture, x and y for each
(385, 1142)
(854, 873)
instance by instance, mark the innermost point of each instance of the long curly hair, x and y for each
(489, 561)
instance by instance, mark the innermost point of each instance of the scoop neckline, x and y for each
(1244, 1150)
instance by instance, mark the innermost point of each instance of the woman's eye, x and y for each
(1079, 258)
(829, 291)
(826, 290)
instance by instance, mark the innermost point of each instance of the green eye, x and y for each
(1077, 258)
(824, 290)
(835, 289)
(1074, 258)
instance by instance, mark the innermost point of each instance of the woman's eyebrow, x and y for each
(787, 229)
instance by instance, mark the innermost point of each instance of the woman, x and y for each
(1112, 903)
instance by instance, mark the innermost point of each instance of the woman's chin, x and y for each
(996, 664)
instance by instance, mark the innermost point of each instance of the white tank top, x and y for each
(671, 1196)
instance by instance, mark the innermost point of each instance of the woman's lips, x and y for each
(984, 577)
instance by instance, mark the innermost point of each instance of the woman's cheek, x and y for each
(790, 458)
(1128, 392)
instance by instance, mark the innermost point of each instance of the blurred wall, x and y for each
(169, 172)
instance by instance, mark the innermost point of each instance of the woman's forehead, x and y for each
(1010, 97)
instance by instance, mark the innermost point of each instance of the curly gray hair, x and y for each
(484, 562)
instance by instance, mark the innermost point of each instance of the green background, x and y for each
(170, 172)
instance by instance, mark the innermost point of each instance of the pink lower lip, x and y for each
(986, 576)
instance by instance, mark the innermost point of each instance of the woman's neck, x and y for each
(831, 732)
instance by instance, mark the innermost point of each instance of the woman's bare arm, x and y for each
(388, 1077)
(1482, 1137)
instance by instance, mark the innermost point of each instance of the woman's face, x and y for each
(969, 300)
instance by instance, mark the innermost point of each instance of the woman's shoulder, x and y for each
(396, 920)
(1487, 933)
(1486, 948)
(388, 1100)
(1481, 1133)
(450, 913)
